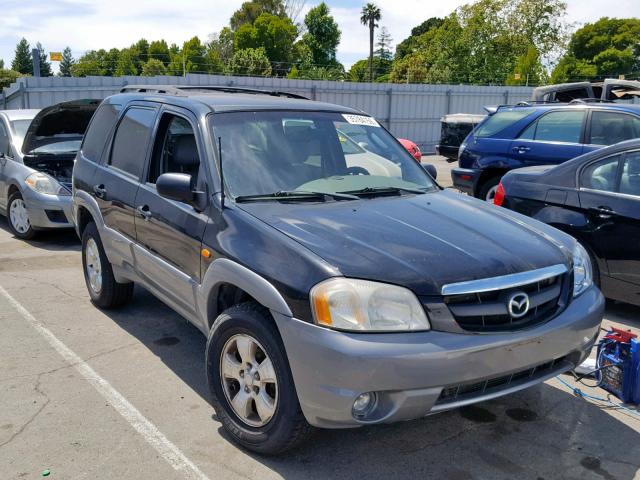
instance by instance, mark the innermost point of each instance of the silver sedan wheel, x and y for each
(19, 216)
(249, 380)
(491, 194)
(93, 265)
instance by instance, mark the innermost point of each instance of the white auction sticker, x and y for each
(360, 120)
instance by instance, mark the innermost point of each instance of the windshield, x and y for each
(268, 152)
(501, 120)
(19, 131)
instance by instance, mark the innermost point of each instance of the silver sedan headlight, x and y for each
(582, 270)
(362, 305)
(43, 183)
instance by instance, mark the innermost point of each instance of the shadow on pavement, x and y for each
(541, 433)
(55, 240)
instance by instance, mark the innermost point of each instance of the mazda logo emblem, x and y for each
(518, 304)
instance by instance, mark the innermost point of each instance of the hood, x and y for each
(421, 242)
(60, 122)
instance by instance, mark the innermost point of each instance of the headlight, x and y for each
(43, 183)
(582, 270)
(360, 305)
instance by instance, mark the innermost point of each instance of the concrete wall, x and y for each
(409, 111)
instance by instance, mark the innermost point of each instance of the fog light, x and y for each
(363, 404)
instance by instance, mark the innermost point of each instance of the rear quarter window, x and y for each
(501, 120)
(98, 132)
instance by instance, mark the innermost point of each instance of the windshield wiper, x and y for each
(293, 195)
(372, 191)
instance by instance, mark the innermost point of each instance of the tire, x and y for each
(287, 427)
(18, 217)
(104, 290)
(487, 190)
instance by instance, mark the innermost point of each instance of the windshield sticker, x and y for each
(361, 120)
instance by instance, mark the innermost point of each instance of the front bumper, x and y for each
(409, 371)
(48, 211)
(466, 179)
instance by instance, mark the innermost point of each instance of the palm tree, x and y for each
(369, 16)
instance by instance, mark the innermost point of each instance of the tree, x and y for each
(45, 65)
(608, 47)
(369, 15)
(409, 44)
(159, 50)
(1, 64)
(222, 44)
(127, 64)
(272, 33)
(293, 9)
(97, 62)
(250, 11)
(67, 63)
(7, 77)
(484, 42)
(322, 36)
(153, 67)
(22, 61)
(251, 62)
(528, 70)
(383, 51)
(191, 58)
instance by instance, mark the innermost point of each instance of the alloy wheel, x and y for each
(249, 380)
(93, 265)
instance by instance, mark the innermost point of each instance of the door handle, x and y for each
(603, 212)
(144, 212)
(100, 191)
(521, 149)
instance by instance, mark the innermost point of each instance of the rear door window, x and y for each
(602, 175)
(561, 126)
(630, 181)
(608, 128)
(501, 120)
(131, 139)
(99, 129)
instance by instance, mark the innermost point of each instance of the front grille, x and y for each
(487, 311)
(465, 391)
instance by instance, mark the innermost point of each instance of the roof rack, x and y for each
(589, 100)
(181, 90)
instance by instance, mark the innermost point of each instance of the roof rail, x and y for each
(589, 100)
(182, 90)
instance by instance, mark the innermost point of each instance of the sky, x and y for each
(93, 24)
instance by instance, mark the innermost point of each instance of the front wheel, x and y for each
(18, 217)
(251, 383)
(104, 290)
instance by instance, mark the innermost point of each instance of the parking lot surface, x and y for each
(122, 394)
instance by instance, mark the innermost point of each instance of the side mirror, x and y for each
(430, 169)
(175, 186)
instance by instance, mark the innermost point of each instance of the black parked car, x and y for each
(337, 286)
(595, 198)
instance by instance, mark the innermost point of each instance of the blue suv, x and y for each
(524, 135)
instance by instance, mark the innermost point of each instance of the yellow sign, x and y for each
(55, 56)
(516, 76)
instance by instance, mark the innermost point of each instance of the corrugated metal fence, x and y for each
(408, 111)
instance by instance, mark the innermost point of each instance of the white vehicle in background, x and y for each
(37, 153)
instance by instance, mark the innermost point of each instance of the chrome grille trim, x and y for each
(503, 282)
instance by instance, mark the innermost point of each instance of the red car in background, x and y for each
(412, 148)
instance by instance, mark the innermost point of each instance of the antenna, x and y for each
(221, 174)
